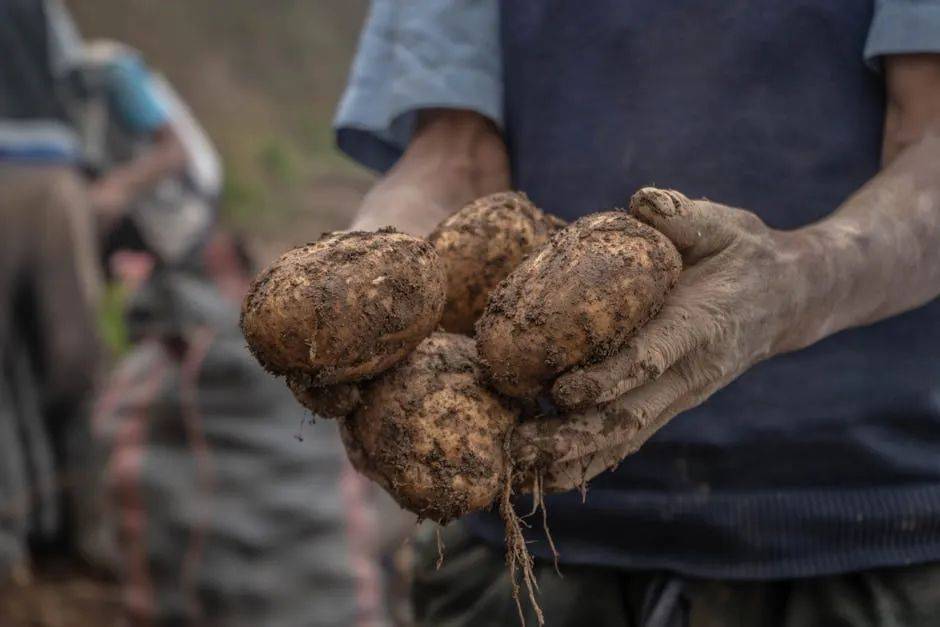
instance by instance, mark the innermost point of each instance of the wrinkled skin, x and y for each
(576, 300)
(453, 158)
(747, 292)
(723, 316)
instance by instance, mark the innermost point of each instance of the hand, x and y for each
(109, 198)
(739, 300)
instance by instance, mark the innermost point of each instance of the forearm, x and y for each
(165, 158)
(454, 158)
(879, 254)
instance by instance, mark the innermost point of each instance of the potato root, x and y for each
(480, 245)
(430, 433)
(574, 301)
(346, 307)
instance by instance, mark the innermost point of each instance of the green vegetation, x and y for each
(264, 79)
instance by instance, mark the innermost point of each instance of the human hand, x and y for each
(740, 299)
(109, 198)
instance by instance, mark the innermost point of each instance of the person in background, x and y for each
(49, 282)
(179, 479)
(214, 513)
(790, 383)
(156, 176)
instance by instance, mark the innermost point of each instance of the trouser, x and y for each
(472, 588)
(48, 346)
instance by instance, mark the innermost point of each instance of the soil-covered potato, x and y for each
(331, 401)
(575, 301)
(346, 307)
(430, 433)
(480, 245)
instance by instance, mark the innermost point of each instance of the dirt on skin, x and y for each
(575, 301)
(431, 434)
(480, 245)
(345, 307)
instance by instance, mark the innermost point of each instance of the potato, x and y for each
(480, 245)
(331, 401)
(344, 308)
(430, 433)
(574, 301)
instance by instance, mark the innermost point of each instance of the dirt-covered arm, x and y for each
(879, 254)
(748, 292)
(454, 157)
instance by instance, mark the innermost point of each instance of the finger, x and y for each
(697, 228)
(574, 436)
(667, 338)
(568, 475)
(548, 441)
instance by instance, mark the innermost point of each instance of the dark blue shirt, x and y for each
(821, 461)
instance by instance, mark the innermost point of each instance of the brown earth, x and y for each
(58, 593)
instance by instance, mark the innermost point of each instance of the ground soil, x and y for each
(58, 593)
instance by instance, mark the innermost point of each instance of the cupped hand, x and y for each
(739, 300)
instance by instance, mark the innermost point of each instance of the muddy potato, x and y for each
(345, 307)
(480, 245)
(574, 301)
(331, 401)
(430, 433)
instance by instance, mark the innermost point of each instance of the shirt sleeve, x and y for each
(903, 27)
(413, 56)
(133, 97)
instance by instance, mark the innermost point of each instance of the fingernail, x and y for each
(664, 202)
(576, 391)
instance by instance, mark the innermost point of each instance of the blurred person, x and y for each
(214, 514)
(48, 279)
(805, 492)
(156, 176)
(210, 514)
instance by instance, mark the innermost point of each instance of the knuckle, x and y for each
(748, 221)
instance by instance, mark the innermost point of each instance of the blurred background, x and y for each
(264, 83)
(150, 472)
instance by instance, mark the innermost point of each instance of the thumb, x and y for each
(697, 228)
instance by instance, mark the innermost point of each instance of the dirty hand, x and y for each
(740, 299)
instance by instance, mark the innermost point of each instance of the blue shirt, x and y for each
(821, 461)
(447, 53)
(133, 97)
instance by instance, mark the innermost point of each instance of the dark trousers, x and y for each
(471, 589)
